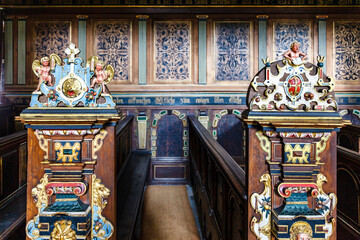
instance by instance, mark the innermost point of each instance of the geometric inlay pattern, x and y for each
(113, 46)
(287, 33)
(51, 38)
(172, 51)
(347, 51)
(232, 46)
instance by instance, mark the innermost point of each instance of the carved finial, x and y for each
(266, 62)
(72, 51)
(320, 60)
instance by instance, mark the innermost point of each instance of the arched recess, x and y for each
(229, 132)
(348, 190)
(169, 134)
(345, 140)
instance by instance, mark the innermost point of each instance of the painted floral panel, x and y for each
(232, 57)
(172, 51)
(287, 33)
(347, 51)
(51, 38)
(113, 46)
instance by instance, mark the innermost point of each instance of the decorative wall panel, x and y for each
(285, 33)
(51, 37)
(232, 51)
(113, 46)
(347, 50)
(170, 137)
(172, 42)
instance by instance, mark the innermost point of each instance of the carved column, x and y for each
(291, 169)
(71, 149)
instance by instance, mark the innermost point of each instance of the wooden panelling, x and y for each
(348, 182)
(169, 171)
(12, 163)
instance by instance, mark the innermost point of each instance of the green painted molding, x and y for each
(322, 37)
(142, 49)
(21, 78)
(82, 37)
(262, 39)
(202, 49)
(9, 51)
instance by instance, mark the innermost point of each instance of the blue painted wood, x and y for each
(322, 40)
(262, 42)
(82, 39)
(202, 51)
(9, 66)
(142, 52)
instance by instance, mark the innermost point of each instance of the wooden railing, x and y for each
(123, 141)
(219, 186)
(13, 162)
(348, 182)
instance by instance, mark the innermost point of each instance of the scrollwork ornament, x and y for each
(101, 227)
(43, 143)
(261, 203)
(98, 142)
(265, 144)
(321, 145)
(41, 202)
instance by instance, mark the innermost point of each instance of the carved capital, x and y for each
(262, 17)
(82, 17)
(202, 17)
(322, 17)
(142, 17)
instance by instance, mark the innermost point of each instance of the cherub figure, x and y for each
(301, 231)
(42, 71)
(102, 76)
(294, 54)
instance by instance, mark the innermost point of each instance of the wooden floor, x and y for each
(167, 214)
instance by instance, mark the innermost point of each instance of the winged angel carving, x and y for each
(42, 69)
(101, 76)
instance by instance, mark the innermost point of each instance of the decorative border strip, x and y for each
(184, 100)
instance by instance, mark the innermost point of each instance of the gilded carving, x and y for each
(321, 145)
(298, 153)
(61, 156)
(265, 144)
(98, 142)
(41, 202)
(43, 143)
(261, 203)
(325, 204)
(301, 230)
(101, 228)
(63, 231)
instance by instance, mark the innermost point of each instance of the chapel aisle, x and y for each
(167, 214)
